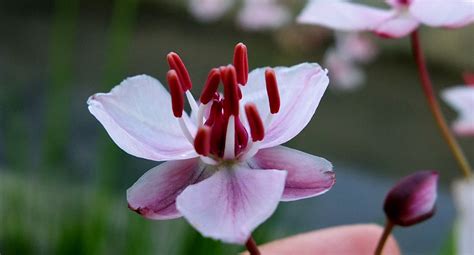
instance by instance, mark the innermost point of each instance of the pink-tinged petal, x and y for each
(137, 115)
(412, 200)
(154, 194)
(308, 175)
(444, 13)
(259, 15)
(463, 192)
(400, 25)
(342, 15)
(461, 98)
(209, 10)
(301, 88)
(229, 205)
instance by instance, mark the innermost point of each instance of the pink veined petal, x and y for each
(138, 117)
(342, 15)
(154, 194)
(308, 175)
(461, 98)
(400, 25)
(301, 88)
(229, 205)
(444, 13)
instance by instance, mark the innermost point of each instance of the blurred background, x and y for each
(63, 181)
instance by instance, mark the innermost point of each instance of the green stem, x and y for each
(383, 239)
(433, 104)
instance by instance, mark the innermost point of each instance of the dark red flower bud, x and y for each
(412, 199)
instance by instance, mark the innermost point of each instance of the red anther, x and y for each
(231, 94)
(210, 88)
(272, 90)
(202, 141)
(216, 110)
(176, 91)
(241, 136)
(241, 63)
(468, 78)
(175, 63)
(257, 130)
(218, 132)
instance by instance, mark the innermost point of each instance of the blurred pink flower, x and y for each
(344, 73)
(224, 181)
(412, 200)
(461, 98)
(209, 10)
(343, 61)
(263, 14)
(464, 200)
(403, 18)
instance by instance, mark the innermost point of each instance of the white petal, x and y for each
(230, 204)
(464, 200)
(461, 98)
(342, 15)
(301, 88)
(138, 117)
(445, 13)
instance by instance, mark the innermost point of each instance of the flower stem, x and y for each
(435, 108)
(252, 246)
(383, 239)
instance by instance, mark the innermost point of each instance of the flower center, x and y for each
(221, 136)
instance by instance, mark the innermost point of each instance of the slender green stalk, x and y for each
(383, 239)
(433, 104)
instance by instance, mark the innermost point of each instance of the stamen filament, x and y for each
(185, 130)
(200, 114)
(192, 102)
(229, 149)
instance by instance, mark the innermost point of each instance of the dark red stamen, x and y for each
(210, 88)
(202, 141)
(257, 130)
(175, 63)
(176, 91)
(218, 132)
(241, 63)
(272, 90)
(241, 136)
(468, 78)
(231, 94)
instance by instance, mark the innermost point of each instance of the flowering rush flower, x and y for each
(225, 171)
(344, 58)
(412, 200)
(404, 16)
(209, 10)
(461, 98)
(263, 14)
(464, 200)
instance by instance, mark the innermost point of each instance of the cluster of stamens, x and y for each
(221, 135)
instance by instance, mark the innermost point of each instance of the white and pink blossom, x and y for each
(461, 99)
(226, 170)
(403, 17)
